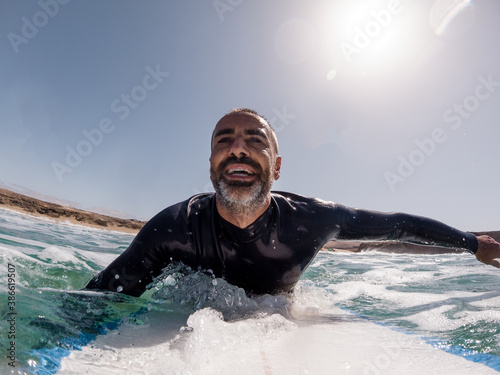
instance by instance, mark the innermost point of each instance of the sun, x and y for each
(374, 35)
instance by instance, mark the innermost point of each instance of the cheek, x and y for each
(214, 156)
(215, 159)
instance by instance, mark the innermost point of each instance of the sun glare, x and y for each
(375, 35)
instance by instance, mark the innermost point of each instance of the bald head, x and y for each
(240, 113)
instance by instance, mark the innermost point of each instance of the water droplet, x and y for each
(119, 289)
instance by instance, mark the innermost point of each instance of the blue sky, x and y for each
(385, 105)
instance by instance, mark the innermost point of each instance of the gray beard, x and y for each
(241, 199)
(238, 202)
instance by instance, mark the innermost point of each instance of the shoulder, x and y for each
(196, 203)
(177, 216)
(305, 217)
(299, 201)
(312, 210)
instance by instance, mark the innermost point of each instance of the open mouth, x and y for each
(240, 171)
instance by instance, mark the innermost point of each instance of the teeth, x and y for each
(231, 171)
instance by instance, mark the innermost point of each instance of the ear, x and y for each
(277, 170)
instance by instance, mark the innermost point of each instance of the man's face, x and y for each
(243, 163)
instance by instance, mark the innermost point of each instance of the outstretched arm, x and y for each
(488, 251)
(365, 225)
(356, 224)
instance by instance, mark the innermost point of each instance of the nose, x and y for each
(238, 148)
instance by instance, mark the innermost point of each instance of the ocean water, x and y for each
(49, 325)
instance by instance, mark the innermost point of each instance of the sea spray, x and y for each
(182, 287)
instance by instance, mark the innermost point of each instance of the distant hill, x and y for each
(37, 207)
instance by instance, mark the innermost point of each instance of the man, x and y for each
(256, 239)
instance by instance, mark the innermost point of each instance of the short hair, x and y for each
(251, 112)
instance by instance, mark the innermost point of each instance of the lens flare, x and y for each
(451, 17)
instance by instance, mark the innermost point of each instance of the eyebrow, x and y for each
(223, 132)
(258, 132)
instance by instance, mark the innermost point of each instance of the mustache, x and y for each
(243, 160)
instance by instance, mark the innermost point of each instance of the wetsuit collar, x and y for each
(251, 232)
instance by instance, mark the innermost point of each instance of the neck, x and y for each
(242, 218)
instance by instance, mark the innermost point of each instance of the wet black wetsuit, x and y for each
(270, 255)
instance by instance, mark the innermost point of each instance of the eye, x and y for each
(255, 140)
(224, 140)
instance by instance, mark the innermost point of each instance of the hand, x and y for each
(488, 250)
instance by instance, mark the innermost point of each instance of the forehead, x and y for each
(231, 124)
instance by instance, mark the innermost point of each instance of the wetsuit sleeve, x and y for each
(136, 267)
(356, 224)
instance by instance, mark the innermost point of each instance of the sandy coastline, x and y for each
(36, 207)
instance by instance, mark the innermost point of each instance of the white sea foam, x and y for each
(62, 255)
(442, 319)
(24, 241)
(102, 259)
(12, 255)
(490, 300)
